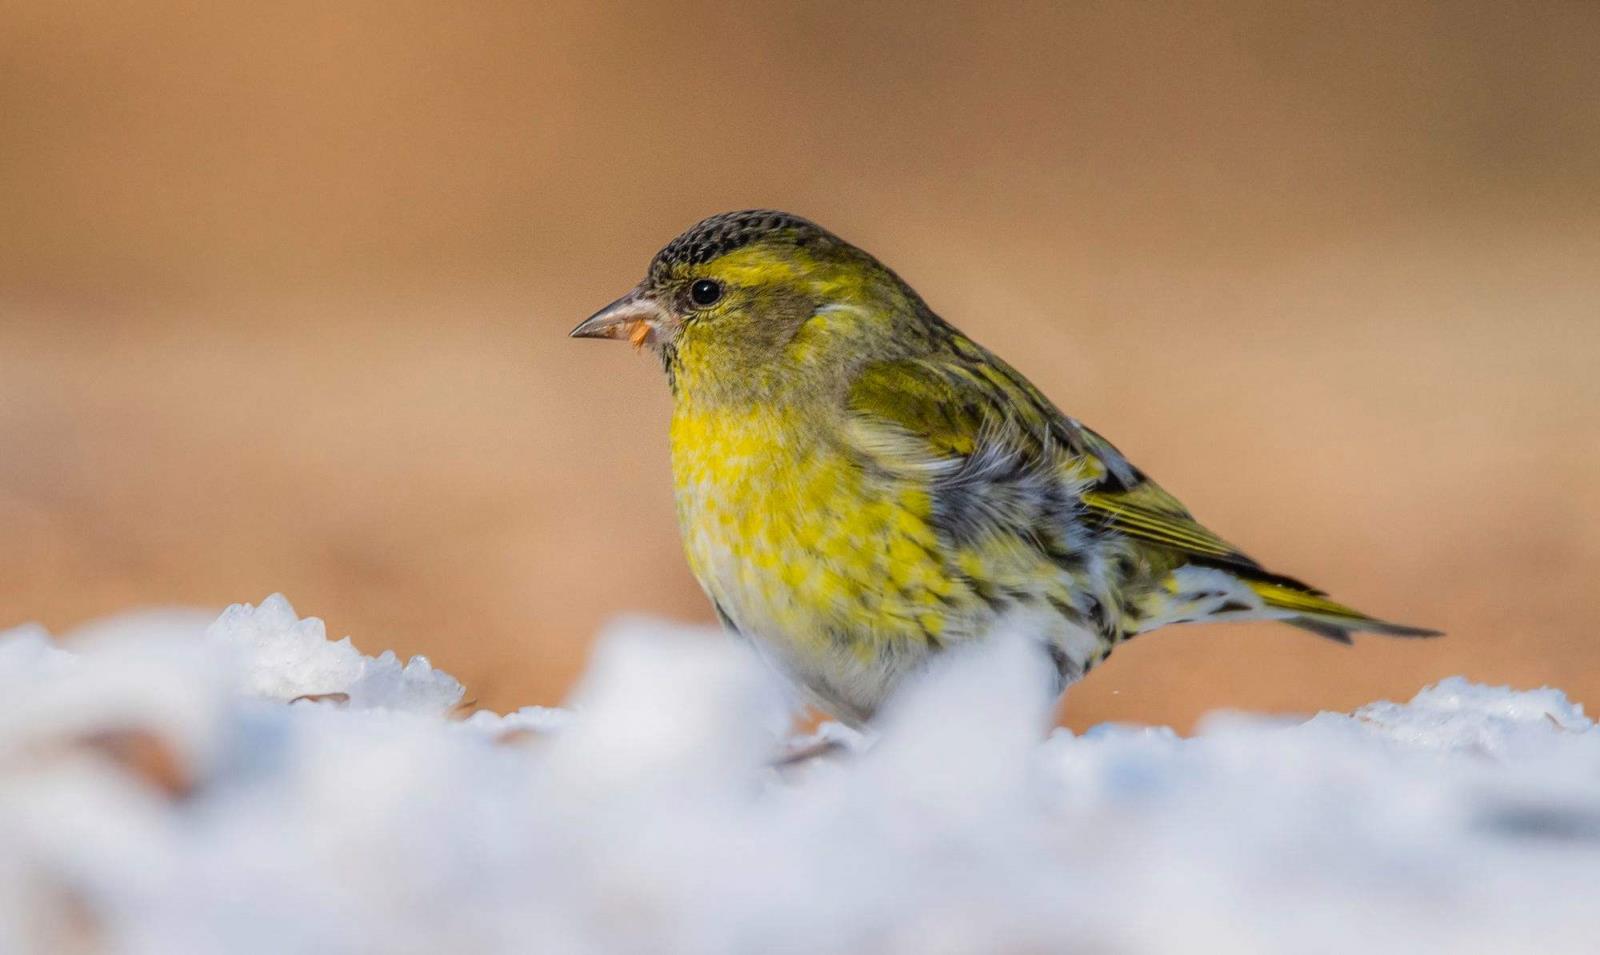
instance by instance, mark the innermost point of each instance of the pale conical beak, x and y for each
(634, 317)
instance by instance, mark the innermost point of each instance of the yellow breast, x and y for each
(802, 548)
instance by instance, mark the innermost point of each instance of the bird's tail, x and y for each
(1311, 610)
(1238, 592)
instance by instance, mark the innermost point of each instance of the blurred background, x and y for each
(284, 291)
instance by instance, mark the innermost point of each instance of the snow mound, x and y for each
(159, 794)
(284, 657)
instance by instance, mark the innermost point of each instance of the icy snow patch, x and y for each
(157, 796)
(284, 657)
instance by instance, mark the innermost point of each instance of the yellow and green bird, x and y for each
(860, 485)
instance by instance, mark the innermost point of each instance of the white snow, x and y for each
(160, 794)
(284, 657)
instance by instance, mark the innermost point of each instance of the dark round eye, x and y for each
(705, 292)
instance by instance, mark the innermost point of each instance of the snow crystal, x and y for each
(158, 796)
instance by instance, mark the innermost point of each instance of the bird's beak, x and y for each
(635, 317)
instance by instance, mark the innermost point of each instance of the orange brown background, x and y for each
(284, 291)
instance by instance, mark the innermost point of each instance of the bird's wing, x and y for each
(971, 414)
(1001, 458)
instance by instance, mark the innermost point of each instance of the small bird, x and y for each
(860, 485)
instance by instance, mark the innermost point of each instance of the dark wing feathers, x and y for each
(963, 411)
(951, 406)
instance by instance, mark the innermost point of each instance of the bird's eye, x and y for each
(705, 292)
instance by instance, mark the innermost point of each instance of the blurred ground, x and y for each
(284, 291)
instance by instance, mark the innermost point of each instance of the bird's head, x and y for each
(743, 301)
